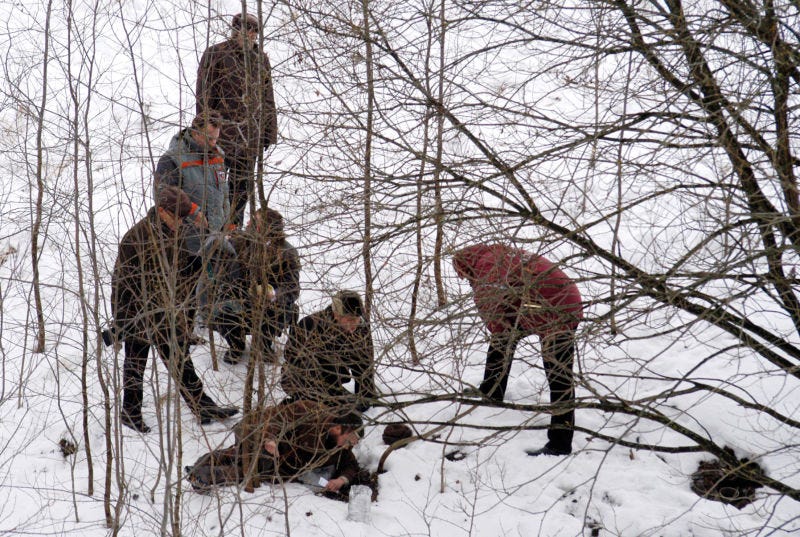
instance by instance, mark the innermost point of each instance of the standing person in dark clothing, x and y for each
(152, 290)
(291, 440)
(519, 294)
(252, 285)
(270, 270)
(195, 164)
(234, 78)
(328, 348)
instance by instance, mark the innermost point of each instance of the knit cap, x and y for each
(175, 201)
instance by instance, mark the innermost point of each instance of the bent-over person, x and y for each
(270, 281)
(520, 294)
(152, 292)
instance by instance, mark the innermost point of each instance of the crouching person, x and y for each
(152, 294)
(326, 350)
(291, 440)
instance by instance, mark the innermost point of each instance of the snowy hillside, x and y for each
(546, 125)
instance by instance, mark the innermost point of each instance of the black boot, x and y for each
(208, 414)
(134, 421)
(548, 451)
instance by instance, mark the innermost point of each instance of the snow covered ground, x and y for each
(495, 490)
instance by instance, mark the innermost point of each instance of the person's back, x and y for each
(514, 289)
(155, 273)
(300, 429)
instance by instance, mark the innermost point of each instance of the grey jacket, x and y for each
(200, 174)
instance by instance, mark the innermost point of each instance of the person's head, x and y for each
(174, 201)
(346, 429)
(348, 310)
(245, 28)
(205, 128)
(267, 222)
(464, 262)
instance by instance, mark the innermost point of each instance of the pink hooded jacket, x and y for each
(514, 288)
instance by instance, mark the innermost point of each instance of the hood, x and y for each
(475, 262)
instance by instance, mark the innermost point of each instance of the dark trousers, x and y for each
(234, 327)
(558, 354)
(241, 182)
(189, 384)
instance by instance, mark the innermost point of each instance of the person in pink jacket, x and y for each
(519, 294)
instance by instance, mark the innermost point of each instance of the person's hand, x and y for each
(265, 292)
(271, 447)
(197, 217)
(269, 293)
(335, 484)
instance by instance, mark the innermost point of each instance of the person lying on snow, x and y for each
(292, 440)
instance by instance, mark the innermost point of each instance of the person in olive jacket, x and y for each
(326, 350)
(234, 78)
(520, 294)
(290, 440)
(270, 273)
(152, 289)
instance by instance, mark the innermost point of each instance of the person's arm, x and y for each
(287, 288)
(270, 136)
(166, 174)
(363, 363)
(125, 285)
(345, 470)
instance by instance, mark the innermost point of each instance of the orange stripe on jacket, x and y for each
(190, 163)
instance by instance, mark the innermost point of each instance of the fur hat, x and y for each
(269, 219)
(396, 431)
(347, 303)
(251, 22)
(175, 201)
(207, 117)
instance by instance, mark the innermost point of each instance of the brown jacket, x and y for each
(152, 286)
(320, 357)
(238, 84)
(300, 429)
(274, 262)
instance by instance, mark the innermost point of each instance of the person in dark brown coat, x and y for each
(271, 271)
(152, 289)
(291, 440)
(326, 350)
(234, 78)
(252, 287)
